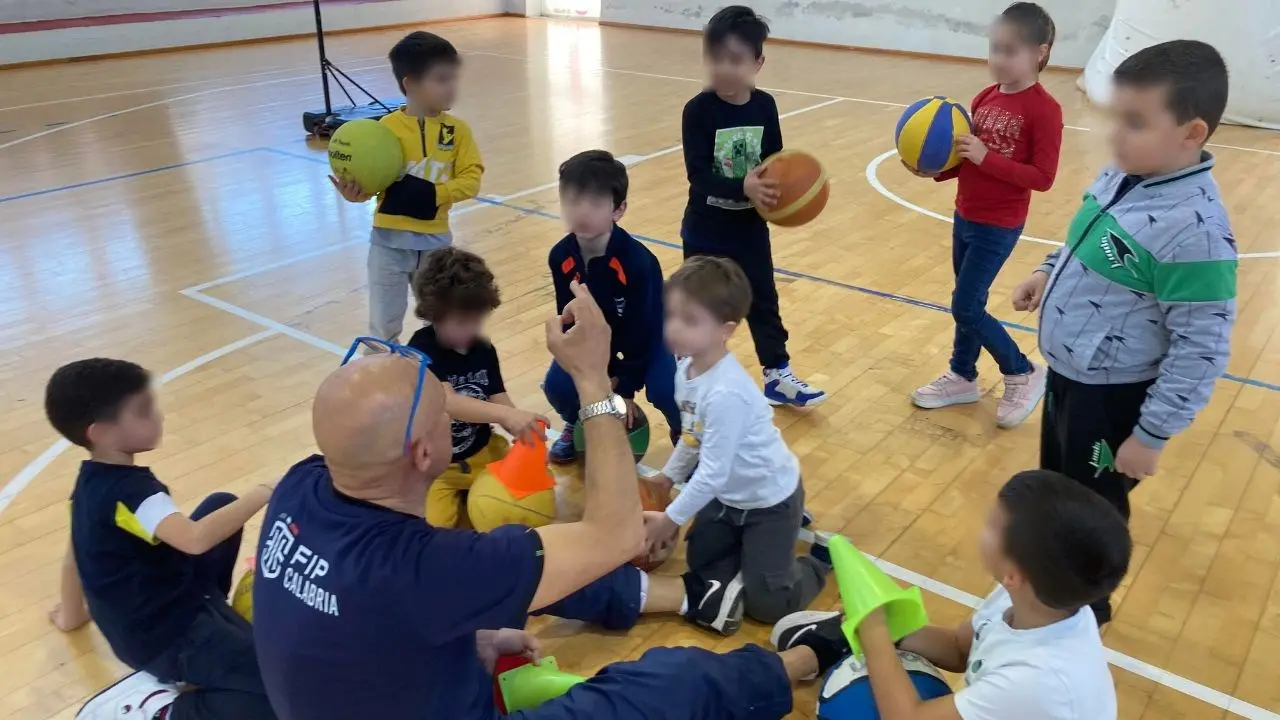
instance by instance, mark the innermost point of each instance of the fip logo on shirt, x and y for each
(298, 569)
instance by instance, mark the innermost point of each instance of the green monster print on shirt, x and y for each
(737, 151)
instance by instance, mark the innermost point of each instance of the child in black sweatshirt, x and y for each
(727, 130)
(625, 279)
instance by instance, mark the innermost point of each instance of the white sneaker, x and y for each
(139, 696)
(950, 389)
(1022, 394)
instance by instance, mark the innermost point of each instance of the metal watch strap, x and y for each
(596, 409)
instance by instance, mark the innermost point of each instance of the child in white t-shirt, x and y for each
(1032, 649)
(744, 493)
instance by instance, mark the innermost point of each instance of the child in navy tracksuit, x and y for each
(626, 281)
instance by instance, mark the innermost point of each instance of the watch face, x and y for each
(617, 405)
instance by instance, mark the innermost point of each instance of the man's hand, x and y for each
(1137, 460)
(971, 148)
(1028, 293)
(632, 412)
(493, 644)
(523, 425)
(917, 173)
(659, 529)
(583, 351)
(67, 618)
(350, 189)
(759, 190)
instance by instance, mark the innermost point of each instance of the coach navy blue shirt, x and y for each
(139, 590)
(361, 611)
(626, 283)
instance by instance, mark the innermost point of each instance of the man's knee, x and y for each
(215, 501)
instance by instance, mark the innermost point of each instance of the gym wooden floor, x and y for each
(167, 209)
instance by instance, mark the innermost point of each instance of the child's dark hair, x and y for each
(1072, 545)
(737, 21)
(417, 53)
(1034, 26)
(596, 172)
(716, 284)
(88, 391)
(1193, 73)
(454, 281)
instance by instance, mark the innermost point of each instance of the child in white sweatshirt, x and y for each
(745, 496)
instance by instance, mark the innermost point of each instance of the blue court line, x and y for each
(126, 176)
(322, 160)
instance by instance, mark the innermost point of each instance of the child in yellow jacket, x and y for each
(442, 167)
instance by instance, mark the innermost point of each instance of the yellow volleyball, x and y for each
(927, 131)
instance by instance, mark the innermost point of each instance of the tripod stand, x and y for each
(324, 122)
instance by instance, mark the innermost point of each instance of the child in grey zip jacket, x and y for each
(1136, 310)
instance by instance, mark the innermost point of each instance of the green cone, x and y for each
(528, 686)
(865, 587)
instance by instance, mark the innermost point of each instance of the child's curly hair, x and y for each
(454, 281)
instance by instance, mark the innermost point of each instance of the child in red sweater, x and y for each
(1017, 133)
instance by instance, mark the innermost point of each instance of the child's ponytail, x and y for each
(1034, 25)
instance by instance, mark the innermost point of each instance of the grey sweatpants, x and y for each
(762, 545)
(394, 256)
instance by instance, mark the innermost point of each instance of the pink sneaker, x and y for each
(950, 389)
(1022, 394)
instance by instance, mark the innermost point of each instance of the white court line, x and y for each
(865, 101)
(24, 477)
(165, 101)
(874, 180)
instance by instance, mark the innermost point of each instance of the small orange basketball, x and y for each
(651, 499)
(802, 186)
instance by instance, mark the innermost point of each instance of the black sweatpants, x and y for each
(747, 245)
(761, 544)
(1083, 427)
(216, 655)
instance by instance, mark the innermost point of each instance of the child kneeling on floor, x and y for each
(455, 293)
(745, 496)
(155, 580)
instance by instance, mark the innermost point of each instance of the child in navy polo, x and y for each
(155, 580)
(626, 281)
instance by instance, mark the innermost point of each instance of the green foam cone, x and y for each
(528, 686)
(865, 587)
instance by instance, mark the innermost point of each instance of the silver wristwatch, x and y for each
(613, 405)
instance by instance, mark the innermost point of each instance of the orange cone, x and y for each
(524, 469)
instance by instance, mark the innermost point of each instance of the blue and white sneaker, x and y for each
(782, 387)
(562, 450)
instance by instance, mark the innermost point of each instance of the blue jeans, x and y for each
(977, 253)
(678, 683)
(659, 385)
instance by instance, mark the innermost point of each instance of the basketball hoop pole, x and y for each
(328, 69)
(324, 59)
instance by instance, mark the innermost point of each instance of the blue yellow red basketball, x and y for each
(927, 130)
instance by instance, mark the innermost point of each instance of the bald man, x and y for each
(363, 610)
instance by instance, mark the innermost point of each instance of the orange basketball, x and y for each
(802, 186)
(651, 499)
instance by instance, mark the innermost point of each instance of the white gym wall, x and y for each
(956, 28)
(1246, 32)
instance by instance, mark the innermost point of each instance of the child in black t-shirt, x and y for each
(727, 130)
(455, 293)
(155, 580)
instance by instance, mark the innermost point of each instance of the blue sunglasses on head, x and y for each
(374, 346)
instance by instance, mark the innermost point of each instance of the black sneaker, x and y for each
(714, 604)
(819, 550)
(817, 630)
